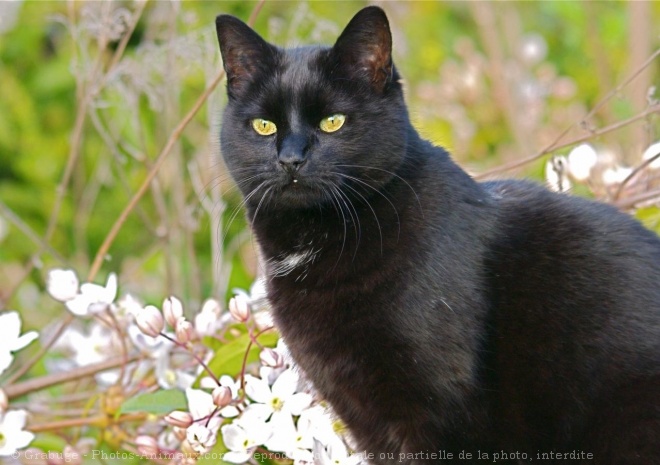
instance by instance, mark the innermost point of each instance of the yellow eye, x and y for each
(264, 127)
(332, 123)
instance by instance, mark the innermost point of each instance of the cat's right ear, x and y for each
(244, 53)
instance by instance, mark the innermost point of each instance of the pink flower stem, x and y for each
(195, 356)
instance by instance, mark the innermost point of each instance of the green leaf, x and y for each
(650, 217)
(228, 359)
(159, 402)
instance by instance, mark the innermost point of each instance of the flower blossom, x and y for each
(242, 438)
(94, 298)
(11, 339)
(62, 284)
(281, 399)
(12, 435)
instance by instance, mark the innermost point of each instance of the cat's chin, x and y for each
(300, 194)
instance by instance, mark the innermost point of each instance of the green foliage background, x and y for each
(47, 62)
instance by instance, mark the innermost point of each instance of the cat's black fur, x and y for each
(433, 312)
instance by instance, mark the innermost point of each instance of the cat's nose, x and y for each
(292, 155)
(292, 166)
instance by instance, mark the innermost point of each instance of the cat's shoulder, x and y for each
(532, 209)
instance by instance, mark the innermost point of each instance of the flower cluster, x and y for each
(598, 168)
(12, 422)
(240, 393)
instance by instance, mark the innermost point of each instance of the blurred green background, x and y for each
(492, 81)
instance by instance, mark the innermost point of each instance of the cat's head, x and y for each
(305, 126)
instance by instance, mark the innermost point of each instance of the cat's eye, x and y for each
(332, 123)
(264, 127)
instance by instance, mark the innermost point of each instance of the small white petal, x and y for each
(110, 290)
(298, 402)
(650, 152)
(255, 413)
(24, 340)
(581, 160)
(234, 437)
(200, 403)
(257, 389)
(237, 457)
(229, 412)
(79, 305)
(62, 284)
(285, 384)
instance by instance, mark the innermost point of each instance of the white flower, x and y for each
(12, 436)
(230, 411)
(169, 372)
(321, 424)
(242, 436)
(282, 397)
(207, 321)
(616, 175)
(294, 440)
(200, 403)
(150, 321)
(202, 436)
(92, 347)
(581, 160)
(335, 453)
(62, 284)
(11, 339)
(650, 152)
(94, 298)
(239, 308)
(173, 310)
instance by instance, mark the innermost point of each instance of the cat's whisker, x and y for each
(333, 192)
(421, 209)
(237, 209)
(360, 181)
(355, 218)
(254, 218)
(380, 231)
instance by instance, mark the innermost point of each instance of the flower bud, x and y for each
(173, 310)
(150, 321)
(62, 284)
(184, 330)
(179, 418)
(179, 433)
(239, 309)
(147, 446)
(221, 396)
(4, 401)
(271, 358)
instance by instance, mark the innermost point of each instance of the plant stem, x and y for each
(37, 384)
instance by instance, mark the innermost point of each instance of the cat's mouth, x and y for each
(301, 192)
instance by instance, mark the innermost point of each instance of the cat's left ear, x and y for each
(364, 49)
(245, 54)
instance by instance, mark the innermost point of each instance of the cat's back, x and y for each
(575, 292)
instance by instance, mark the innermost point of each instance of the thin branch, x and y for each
(630, 202)
(634, 173)
(556, 145)
(174, 137)
(101, 421)
(43, 382)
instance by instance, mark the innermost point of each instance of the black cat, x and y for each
(436, 314)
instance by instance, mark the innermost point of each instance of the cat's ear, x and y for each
(244, 53)
(364, 48)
